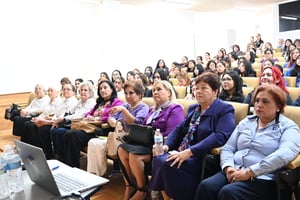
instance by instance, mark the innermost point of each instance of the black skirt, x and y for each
(137, 149)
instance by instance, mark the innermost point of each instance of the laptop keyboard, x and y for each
(67, 184)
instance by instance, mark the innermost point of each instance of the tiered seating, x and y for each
(294, 92)
(251, 81)
(291, 80)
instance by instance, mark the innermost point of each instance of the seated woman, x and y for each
(270, 75)
(75, 140)
(268, 54)
(192, 91)
(38, 129)
(295, 71)
(85, 104)
(246, 69)
(36, 107)
(221, 68)
(259, 146)
(134, 111)
(165, 115)
(49, 112)
(231, 87)
(183, 79)
(208, 124)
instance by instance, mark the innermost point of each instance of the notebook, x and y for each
(53, 175)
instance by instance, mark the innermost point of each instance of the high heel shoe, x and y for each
(129, 193)
(140, 194)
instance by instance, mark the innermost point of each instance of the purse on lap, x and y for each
(87, 126)
(140, 135)
(12, 112)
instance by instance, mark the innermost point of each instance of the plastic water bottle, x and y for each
(14, 171)
(4, 190)
(158, 141)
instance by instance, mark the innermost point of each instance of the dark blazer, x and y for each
(216, 125)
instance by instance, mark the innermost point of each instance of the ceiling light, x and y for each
(289, 18)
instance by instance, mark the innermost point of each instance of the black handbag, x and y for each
(140, 135)
(12, 112)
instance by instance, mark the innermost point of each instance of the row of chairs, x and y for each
(254, 81)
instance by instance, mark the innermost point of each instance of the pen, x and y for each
(54, 168)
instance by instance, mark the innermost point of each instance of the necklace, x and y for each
(133, 107)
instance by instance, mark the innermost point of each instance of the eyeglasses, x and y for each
(129, 93)
(226, 79)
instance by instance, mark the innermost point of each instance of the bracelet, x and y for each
(248, 172)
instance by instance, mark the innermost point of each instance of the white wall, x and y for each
(45, 40)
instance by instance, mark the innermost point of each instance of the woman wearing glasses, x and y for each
(231, 87)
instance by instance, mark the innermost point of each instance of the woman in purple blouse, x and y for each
(75, 140)
(165, 115)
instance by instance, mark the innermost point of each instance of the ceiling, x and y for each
(209, 5)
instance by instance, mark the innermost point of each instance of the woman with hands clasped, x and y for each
(259, 146)
(208, 124)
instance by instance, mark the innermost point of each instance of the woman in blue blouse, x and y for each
(208, 124)
(260, 145)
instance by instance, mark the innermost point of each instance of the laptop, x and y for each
(55, 176)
